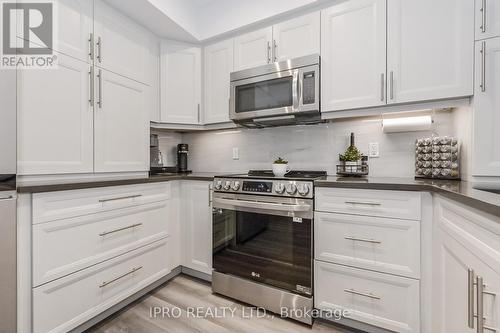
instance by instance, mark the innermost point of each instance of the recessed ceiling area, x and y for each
(201, 20)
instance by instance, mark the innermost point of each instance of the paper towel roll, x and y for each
(407, 124)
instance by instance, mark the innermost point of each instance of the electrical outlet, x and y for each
(236, 153)
(373, 148)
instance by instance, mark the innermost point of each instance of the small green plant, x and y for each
(279, 160)
(352, 154)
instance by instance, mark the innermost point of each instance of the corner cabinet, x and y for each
(218, 67)
(196, 214)
(353, 55)
(180, 66)
(429, 49)
(467, 252)
(487, 109)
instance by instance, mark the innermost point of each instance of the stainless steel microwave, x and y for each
(282, 93)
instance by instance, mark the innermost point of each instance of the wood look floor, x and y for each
(184, 292)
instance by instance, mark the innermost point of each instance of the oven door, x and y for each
(267, 240)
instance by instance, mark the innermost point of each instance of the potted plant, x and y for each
(280, 167)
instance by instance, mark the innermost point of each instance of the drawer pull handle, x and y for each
(106, 283)
(121, 198)
(359, 293)
(366, 240)
(7, 197)
(102, 234)
(363, 203)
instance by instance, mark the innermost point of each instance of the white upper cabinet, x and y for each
(253, 49)
(55, 119)
(296, 38)
(487, 108)
(121, 46)
(180, 66)
(75, 28)
(121, 124)
(430, 49)
(353, 55)
(487, 19)
(218, 66)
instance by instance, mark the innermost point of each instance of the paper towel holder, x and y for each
(422, 120)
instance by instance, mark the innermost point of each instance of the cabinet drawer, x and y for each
(379, 244)
(53, 206)
(382, 300)
(62, 305)
(65, 246)
(395, 204)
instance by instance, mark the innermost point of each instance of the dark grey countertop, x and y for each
(460, 191)
(34, 187)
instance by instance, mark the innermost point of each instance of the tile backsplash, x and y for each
(313, 147)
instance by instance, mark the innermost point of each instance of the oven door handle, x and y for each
(262, 205)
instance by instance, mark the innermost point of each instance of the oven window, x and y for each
(274, 250)
(270, 94)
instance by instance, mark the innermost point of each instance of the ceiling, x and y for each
(201, 20)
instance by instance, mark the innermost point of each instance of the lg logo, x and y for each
(27, 28)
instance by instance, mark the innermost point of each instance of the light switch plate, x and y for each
(236, 153)
(373, 148)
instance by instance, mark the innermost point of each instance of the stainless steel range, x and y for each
(262, 240)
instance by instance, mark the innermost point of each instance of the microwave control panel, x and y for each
(308, 87)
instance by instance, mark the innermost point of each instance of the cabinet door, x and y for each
(487, 19)
(431, 60)
(487, 108)
(253, 49)
(180, 83)
(121, 124)
(218, 66)
(353, 55)
(75, 26)
(55, 119)
(121, 46)
(296, 38)
(198, 226)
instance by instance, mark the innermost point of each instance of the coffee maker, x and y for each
(182, 157)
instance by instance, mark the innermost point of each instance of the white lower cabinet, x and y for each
(196, 219)
(467, 251)
(383, 300)
(62, 305)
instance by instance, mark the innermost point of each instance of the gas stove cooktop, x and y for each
(297, 184)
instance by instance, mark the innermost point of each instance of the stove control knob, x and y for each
(291, 188)
(235, 186)
(227, 185)
(218, 185)
(303, 189)
(279, 188)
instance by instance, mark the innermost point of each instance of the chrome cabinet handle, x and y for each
(392, 84)
(483, 66)
(209, 195)
(470, 298)
(99, 101)
(365, 240)
(268, 52)
(91, 86)
(99, 49)
(105, 233)
(363, 203)
(359, 293)
(121, 198)
(382, 87)
(7, 197)
(275, 51)
(91, 46)
(481, 327)
(198, 112)
(483, 16)
(105, 283)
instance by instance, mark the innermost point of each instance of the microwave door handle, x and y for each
(296, 90)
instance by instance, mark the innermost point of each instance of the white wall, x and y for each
(310, 147)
